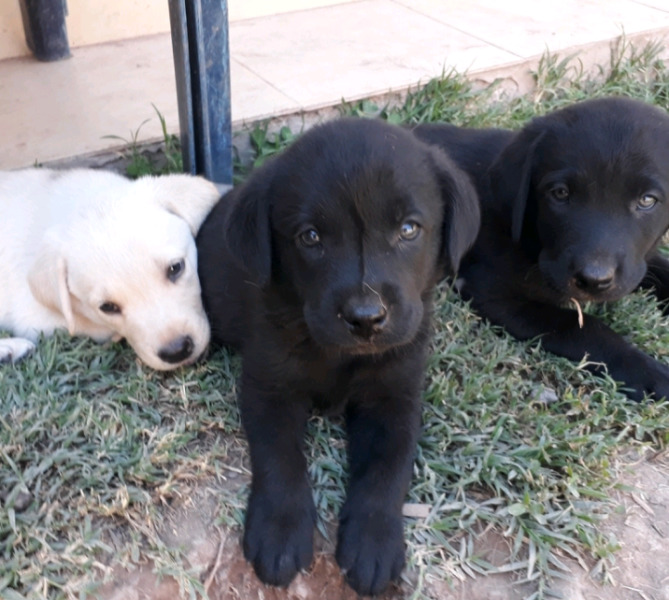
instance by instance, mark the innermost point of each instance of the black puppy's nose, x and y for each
(595, 278)
(177, 350)
(364, 315)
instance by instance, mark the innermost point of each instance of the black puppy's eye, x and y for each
(409, 230)
(110, 308)
(559, 192)
(309, 238)
(176, 269)
(646, 202)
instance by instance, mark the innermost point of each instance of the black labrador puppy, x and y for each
(574, 207)
(321, 269)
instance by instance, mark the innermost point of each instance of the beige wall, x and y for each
(12, 42)
(95, 21)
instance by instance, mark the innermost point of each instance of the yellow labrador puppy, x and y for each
(103, 256)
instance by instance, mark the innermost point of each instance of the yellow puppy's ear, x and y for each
(47, 279)
(187, 196)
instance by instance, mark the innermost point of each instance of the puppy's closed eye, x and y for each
(176, 269)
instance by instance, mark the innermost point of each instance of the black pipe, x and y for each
(44, 27)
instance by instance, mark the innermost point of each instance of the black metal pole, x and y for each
(45, 29)
(202, 68)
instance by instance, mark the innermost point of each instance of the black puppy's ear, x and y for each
(248, 232)
(462, 214)
(511, 175)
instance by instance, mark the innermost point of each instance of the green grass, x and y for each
(94, 446)
(140, 162)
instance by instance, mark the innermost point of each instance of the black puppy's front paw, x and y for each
(279, 536)
(642, 375)
(650, 378)
(370, 550)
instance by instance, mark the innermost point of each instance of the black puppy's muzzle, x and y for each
(365, 316)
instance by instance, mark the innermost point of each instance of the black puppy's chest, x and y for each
(329, 383)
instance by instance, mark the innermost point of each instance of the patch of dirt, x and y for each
(641, 567)
(640, 570)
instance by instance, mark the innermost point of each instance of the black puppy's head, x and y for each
(355, 222)
(589, 189)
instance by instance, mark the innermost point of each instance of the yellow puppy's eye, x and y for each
(175, 270)
(110, 308)
(646, 202)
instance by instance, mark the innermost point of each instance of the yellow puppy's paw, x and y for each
(14, 349)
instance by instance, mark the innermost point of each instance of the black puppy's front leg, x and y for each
(560, 333)
(280, 516)
(383, 428)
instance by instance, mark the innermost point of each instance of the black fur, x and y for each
(304, 268)
(563, 219)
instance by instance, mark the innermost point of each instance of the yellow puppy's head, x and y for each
(125, 266)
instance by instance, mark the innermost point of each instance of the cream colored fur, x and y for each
(73, 240)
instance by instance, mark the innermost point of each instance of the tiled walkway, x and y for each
(301, 61)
